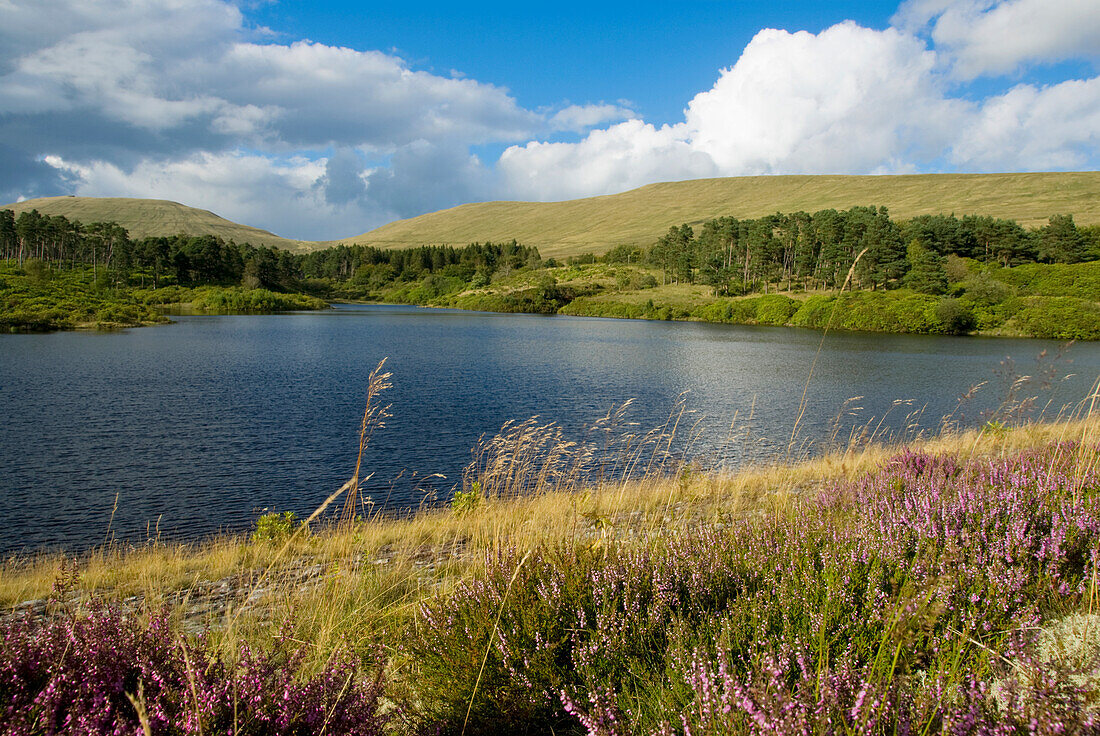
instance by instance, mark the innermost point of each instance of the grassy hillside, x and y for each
(155, 217)
(641, 215)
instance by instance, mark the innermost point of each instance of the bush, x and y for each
(868, 589)
(274, 527)
(775, 309)
(1056, 318)
(954, 317)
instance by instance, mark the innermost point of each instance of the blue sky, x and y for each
(325, 119)
(653, 54)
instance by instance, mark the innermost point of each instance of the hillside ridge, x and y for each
(638, 216)
(596, 224)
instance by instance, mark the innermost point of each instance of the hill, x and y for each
(596, 224)
(155, 217)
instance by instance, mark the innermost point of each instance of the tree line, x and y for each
(207, 259)
(818, 250)
(731, 255)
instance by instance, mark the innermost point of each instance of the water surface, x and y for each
(197, 426)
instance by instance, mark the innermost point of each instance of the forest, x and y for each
(817, 250)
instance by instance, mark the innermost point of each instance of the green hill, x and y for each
(641, 215)
(155, 217)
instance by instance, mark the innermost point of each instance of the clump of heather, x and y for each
(908, 602)
(104, 673)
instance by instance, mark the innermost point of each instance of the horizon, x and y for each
(265, 114)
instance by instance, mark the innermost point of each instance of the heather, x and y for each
(909, 601)
(101, 672)
(947, 587)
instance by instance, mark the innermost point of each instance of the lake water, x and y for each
(196, 426)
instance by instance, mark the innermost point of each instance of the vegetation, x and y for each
(855, 269)
(37, 298)
(944, 587)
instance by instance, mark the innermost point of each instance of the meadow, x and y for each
(603, 586)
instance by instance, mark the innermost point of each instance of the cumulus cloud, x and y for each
(998, 36)
(581, 118)
(621, 157)
(181, 99)
(1033, 128)
(131, 96)
(846, 100)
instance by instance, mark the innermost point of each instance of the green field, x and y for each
(154, 218)
(640, 216)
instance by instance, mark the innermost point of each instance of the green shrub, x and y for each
(465, 502)
(275, 527)
(775, 309)
(1080, 280)
(1056, 318)
(954, 317)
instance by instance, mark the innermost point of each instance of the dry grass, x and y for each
(380, 562)
(640, 216)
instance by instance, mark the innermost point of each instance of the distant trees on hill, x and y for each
(207, 259)
(730, 255)
(818, 250)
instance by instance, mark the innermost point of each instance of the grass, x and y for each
(640, 216)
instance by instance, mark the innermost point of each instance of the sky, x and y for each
(322, 119)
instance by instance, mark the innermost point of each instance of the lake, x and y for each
(197, 426)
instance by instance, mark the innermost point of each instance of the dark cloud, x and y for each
(343, 180)
(23, 176)
(424, 177)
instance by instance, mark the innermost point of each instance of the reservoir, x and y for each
(194, 428)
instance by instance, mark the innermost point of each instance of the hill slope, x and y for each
(155, 217)
(641, 215)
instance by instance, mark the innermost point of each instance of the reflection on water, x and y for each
(198, 425)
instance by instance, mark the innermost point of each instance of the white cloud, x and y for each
(847, 100)
(580, 118)
(996, 37)
(621, 157)
(1030, 128)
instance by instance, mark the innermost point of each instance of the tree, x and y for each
(1060, 241)
(8, 238)
(926, 270)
